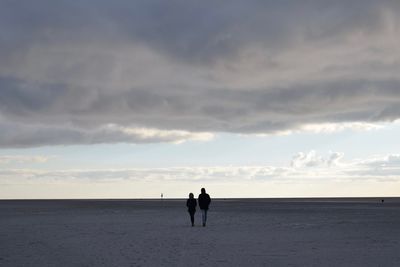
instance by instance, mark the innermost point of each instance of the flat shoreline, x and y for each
(239, 232)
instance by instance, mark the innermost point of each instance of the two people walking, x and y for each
(204, 202)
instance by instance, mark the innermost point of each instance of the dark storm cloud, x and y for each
(68, 70)
(191, 29)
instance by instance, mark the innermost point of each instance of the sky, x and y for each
(131, 99)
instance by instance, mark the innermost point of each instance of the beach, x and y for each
(239, 232)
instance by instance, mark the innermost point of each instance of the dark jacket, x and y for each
(191, 203)
(204, 201)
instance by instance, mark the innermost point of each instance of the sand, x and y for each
(358, 232)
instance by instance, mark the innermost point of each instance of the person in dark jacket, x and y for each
(191, 204)
(204, 202)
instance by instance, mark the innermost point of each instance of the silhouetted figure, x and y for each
(191, 204)
(204, 202)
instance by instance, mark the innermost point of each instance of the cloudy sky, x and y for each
(246, 98)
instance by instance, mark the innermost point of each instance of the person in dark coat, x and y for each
(204, 202)
(191, 204)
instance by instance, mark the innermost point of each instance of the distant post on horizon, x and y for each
(162, 196)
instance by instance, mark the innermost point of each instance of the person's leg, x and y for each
(192, 217)
(204, 216)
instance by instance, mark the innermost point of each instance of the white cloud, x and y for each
(304, 167)
(313, 159)
(339, 127)
(334, 167)
(329, 128)
(310, 159)
(151, 135)
(335, 158)
(315, 176)
(23, 159)
(392, 160)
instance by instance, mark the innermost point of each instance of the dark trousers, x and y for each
(192, 216)
(204, 216)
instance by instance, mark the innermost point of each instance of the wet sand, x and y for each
(240, 232)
